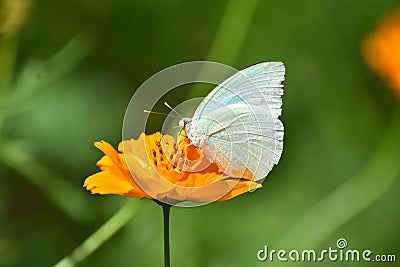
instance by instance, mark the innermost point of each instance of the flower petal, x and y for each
(381, 49)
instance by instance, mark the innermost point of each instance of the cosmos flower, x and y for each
(158, 167)
(381, 49)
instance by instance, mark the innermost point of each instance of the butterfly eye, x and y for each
(182, 122)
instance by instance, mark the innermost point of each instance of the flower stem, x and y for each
(166, 211)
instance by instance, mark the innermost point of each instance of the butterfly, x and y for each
(236, 126)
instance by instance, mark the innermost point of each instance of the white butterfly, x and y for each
(237, 127)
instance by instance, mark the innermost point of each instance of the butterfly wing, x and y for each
(239, 120)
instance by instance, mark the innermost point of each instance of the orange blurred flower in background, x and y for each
(168, 171)
(381, 49)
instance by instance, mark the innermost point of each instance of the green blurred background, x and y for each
(69, 70)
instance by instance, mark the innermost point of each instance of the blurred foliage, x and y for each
(67, 76)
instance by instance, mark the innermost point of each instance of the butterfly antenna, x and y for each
(159, 113)
(171, 108)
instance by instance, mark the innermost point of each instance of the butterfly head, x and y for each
(186, 124)
(184, 121)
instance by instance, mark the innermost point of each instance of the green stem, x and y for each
(101, 235)
(17, 156)
(232, 31)
(166, 211)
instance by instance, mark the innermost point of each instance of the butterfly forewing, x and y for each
(239, 120)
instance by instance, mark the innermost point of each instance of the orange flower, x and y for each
(381, 49)
(157, 167)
